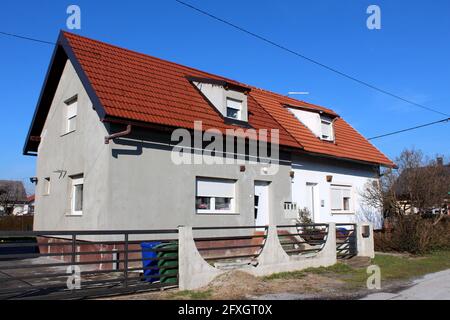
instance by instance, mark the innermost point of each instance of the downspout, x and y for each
(118, 134)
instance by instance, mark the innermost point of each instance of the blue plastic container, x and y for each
(149, 252)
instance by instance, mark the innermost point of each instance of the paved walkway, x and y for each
(434, 286)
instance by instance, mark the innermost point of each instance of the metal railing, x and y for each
(230, 247)
(302, 239)
(81, 264)
(346, 246)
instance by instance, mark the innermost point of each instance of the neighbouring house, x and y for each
(110, 153)
(29, 205)
(13, 197)
(417, 181)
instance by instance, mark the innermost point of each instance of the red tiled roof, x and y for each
(349, 144)
(142, 88)
(138, 87)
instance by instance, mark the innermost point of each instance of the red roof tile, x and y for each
(139, 87)
(349, 144)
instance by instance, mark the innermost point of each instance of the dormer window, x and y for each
(234, 109)
(327, 129)
(318, 122)
(229, 99)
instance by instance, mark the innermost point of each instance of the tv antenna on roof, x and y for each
(292, 93)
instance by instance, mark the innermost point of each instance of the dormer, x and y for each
(319, 122)
(229, 99)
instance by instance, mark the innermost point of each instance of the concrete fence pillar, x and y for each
(193, 271)
(364, 240)
(329, 253)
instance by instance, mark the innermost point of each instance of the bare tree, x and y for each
(11, 194)
(417, 186)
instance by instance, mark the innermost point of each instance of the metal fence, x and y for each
(81, 264)
(230, 247)
(302, 239)
(346, 246)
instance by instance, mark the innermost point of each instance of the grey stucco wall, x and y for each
(81, 151)
(132, 183)
(149, 191)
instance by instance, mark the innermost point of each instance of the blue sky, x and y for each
(408, 56)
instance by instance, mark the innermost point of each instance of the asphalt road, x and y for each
(434, 286)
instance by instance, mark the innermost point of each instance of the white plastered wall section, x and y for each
(309, 170)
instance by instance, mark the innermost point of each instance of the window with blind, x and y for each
(215, 195)
(234, 108)
(341, 199)
(327, 129)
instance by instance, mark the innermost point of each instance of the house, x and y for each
(13, 198)
(123, 141)
(29, 205)
(425, 189)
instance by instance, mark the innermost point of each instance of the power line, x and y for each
(364, 83)
(409, 129)
(26, 38)
(377, 137)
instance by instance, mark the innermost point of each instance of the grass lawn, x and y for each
(332, 282)
(393, 268)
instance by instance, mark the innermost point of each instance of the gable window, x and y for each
(215, 195)
(46, 186)
(341, 199)
(234, 108)
(327, 129)
(77, 195)
(71, 114)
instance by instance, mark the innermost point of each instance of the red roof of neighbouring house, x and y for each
(132, 87)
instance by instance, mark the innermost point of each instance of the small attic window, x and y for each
(326, 129)
(71, 114)
(234, 109)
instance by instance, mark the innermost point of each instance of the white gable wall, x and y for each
(310, 119)
(313, 171)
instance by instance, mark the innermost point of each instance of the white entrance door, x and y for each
(311, 194)
(261, 203)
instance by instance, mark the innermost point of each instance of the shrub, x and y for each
(415, 235)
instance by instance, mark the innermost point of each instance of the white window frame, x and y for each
(342, 188)
(46, 186)
(235, 105)
(79, 180)
(71, 114)
(329, 123)
(212, 195)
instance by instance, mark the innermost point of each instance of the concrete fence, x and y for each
(195, 272)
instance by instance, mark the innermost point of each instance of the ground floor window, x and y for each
(77, 195)
(215, 195)
(341, 199)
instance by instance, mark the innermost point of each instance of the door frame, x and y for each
(265, 186)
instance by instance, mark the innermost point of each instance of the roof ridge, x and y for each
(153, 57)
